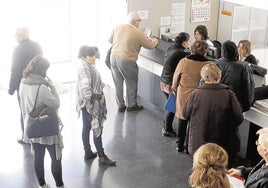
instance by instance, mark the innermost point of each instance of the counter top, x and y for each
(257, 117)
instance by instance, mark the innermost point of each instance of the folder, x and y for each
(171, 103)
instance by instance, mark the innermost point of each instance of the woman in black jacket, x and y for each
(175, 53)
(237, 75)
(256, 177)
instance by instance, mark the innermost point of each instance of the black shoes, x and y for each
(90, 155)
(168, 133)
(134, 108)
(122, 109)
(181, 149)
(106, 161)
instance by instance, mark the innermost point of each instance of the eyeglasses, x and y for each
(257, 143)
(139, 20)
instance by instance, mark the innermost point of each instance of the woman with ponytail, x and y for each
(209, 164)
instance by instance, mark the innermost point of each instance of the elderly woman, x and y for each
(256, 177)
(185, 79)
(214, 114)
(35, 83)
(209, 164)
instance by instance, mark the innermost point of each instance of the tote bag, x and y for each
(41, 121)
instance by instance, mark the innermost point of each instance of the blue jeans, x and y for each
(56, 168)
(86, 117)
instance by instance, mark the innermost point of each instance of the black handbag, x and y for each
(42, 121)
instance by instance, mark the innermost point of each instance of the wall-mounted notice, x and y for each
(200, 10)
(143, 14)
(177, 20)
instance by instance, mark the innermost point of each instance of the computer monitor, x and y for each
(214, 53)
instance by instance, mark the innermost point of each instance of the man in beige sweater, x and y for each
(127, 41)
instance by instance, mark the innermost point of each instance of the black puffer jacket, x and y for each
(238, 76)
(174, 55)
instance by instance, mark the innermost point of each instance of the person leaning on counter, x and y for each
(127, 40)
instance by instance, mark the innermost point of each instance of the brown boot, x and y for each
(106, 161)
(90, 155)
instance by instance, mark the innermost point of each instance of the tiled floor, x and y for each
(144, 158)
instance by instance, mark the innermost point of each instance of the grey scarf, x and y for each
(34, 79)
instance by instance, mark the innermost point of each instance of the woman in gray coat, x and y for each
(34, 80)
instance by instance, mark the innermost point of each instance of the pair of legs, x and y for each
(56, 168)
(182, 133)
(168, 128)
(21, 118)
(123, 70)
(86, 117)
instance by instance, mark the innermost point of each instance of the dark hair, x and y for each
(230, 50)
(202, 30)
(90, 51)
(199, 47)
(38, 65)
(182, 37)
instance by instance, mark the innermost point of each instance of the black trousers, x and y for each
(56, 168)
(182, 132)
(169, 118)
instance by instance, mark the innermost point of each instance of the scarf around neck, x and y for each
(34, 79)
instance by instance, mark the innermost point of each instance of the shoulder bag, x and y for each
(41, 121)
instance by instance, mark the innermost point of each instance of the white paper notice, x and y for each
(143, 14)
(178, 9)
(165, 20)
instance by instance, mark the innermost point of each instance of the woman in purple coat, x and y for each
(214, 114)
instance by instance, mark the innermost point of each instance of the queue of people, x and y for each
(210, 99)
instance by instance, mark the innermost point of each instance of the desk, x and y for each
(257, 117)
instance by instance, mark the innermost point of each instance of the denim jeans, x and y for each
(86, 117)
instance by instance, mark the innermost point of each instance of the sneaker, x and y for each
(135, 108)
(168, 133)
(45, 186)
(122, 109)
(90, 155)
(106, 161)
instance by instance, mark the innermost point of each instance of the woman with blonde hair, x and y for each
(244, 51)
(207, 126)
(209, 163)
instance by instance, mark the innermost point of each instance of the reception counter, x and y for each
(257, 117)
(150, 70)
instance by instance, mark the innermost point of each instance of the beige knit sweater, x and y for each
(127, 41)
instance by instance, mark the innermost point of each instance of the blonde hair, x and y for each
(246, 45)
(263, 137)
(209, 163)
(211, 73)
